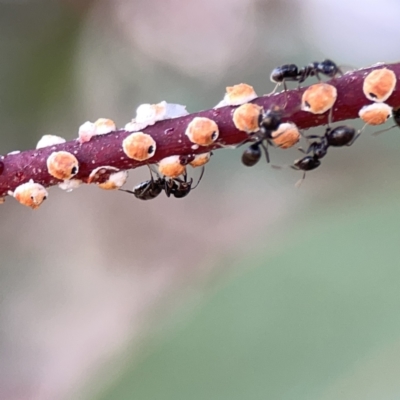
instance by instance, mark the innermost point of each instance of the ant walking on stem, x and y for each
(291, 72)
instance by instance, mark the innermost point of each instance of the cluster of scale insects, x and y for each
(268, 122)
(264, 128)
(271, 120)
(333, 137)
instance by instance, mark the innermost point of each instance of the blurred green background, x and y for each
(249, 288)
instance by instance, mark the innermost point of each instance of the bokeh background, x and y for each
(248, 288)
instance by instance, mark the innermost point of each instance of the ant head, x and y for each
(328, 67)
(307, 163)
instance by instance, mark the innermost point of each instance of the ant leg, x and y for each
(168, 187)
(242, 143)
(286, 95)
(126, 191)
(312, 144)
(151, 178)
(265, 148)
(312, 136)
(284, 166)
(185, 176)
(152, 171)
(275, 89)
(302, 76)
(311, 147)
(330, 117)
(184, 180)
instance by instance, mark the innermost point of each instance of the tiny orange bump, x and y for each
(379, 84)
(171, 167)
(135, 126)
(49, 140)
(86, 132)
(104, 125)
(318, 98)
(30, 194)
(239, 94)
(62, 165)
(202, 131)
(139, 146)
(115, 181)
(151, 113)
(247, 117)
(200, 159)
(101, 174)
(375, 114)
(70, 184)
(2, 200)
(286, 136)
(108, 177)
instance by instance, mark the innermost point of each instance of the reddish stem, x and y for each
(170, 137)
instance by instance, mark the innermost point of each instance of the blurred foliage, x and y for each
(297, 291)
(37, 77)
(296, 322)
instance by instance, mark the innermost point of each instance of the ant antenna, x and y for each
(382, 131)
(300, 181)
(201, 176)
(265, 148)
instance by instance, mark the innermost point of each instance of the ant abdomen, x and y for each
(251, 155)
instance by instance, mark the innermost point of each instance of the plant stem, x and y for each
(170, 134)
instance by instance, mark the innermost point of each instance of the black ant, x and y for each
(147, 190)
(396, 118)
(152, 188)
(181, 188)
(268, 123)
(334, 137)
(290, 72)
